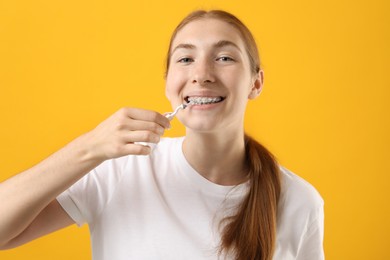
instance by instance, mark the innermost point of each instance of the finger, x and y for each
(148, 115)
(137, 125)
(136, 149)
(141, 136)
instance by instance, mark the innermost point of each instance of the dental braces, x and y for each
(192, 101)
(204, 100)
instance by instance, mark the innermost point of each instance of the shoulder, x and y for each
(298, 196)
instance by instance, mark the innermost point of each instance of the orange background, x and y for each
(324, 111)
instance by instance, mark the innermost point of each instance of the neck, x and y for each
(220, 158)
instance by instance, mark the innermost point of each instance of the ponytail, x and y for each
(250, 234)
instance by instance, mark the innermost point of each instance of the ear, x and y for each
(257, 85)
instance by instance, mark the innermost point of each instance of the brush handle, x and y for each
(171, 115)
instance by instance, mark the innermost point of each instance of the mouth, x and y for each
(201, 100)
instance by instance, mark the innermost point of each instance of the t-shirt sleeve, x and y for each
(311, 246)
(87, 198)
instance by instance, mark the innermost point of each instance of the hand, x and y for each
(120, 133)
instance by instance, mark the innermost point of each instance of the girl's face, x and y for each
(209, 65)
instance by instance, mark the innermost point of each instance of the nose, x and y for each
(203, 72)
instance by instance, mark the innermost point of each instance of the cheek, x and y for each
(173, 85)
(170, 86)
(239, 82)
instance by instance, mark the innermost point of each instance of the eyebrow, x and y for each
(224, 43)
(218, 45)
(187, 46)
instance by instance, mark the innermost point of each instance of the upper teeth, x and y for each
(203, 100)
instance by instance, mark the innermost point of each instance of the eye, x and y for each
(185, 60)
(225, 58)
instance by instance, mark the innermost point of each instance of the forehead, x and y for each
(208, 31)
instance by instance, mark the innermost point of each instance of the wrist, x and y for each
(86, 150)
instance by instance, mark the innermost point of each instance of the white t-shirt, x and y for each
(159, 207)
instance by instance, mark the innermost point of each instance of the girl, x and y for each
(215, 193)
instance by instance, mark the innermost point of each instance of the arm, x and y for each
(51, 218)
(27, 201)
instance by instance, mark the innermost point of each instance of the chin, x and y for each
(201, 126)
